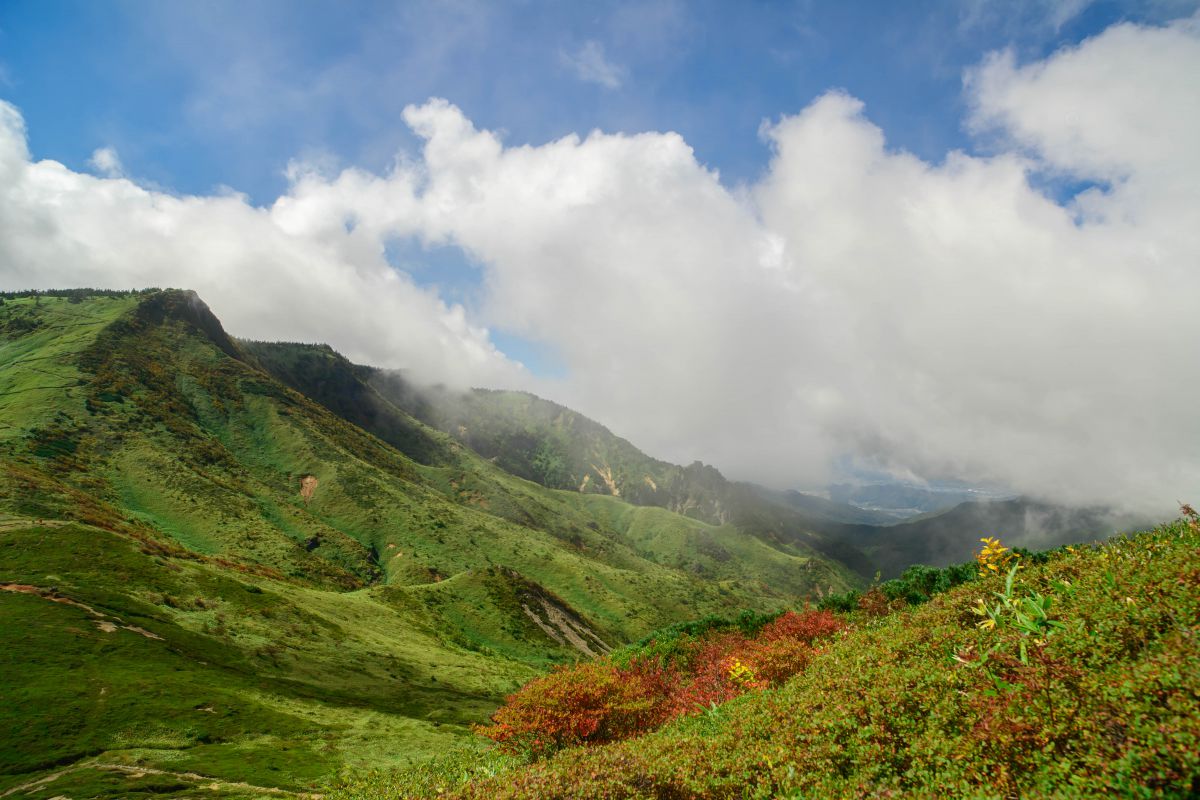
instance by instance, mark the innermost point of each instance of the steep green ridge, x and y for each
(1097, 695)
(556, 447)
(207, 575)
(380, 402)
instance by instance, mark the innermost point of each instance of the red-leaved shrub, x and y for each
(589, 702)
(598, 701)
(806, 627)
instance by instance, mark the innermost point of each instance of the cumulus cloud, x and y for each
(267, 273)
(589, 63)
(1100, 110)
(857, 305)
(106, 161)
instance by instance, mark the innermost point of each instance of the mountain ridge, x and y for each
(549, 443)
(291, 566)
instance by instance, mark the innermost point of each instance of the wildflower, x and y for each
(993, 557)
(980, 609)
(739, 673)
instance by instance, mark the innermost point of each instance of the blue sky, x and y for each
(916, 238)
(200, 95)
(197, 97)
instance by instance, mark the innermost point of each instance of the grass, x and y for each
(156, 479)
(252, 680)
(550, 445)
(902, 706)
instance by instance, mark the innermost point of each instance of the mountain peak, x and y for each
(185, 305)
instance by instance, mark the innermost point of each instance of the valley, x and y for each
(250, 567)
(307, 596)
(633, 400)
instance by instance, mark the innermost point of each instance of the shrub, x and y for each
(611, 699)
(590, 702)
(806, 627)
(1106, 705)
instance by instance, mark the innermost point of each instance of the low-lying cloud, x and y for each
(857, 305)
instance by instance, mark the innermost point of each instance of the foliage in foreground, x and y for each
(1106, 702)
(1070, 678)
(916, 585)
(638, 691)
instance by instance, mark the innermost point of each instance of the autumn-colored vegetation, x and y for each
(1070, 674)
(1084, 685)
(637, 691)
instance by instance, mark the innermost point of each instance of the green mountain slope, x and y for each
(556, 447)
(381, 402)
(1098, 695)
(209, 578)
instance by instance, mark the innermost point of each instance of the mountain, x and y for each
(952, 536)
(205, 572)
(820, 508)
(556, 447)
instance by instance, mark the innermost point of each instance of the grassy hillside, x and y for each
(509, 426)
(556, 447)
(1075, 679)
(210, 580)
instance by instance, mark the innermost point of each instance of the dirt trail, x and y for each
(21, 522)
(105, 622)
(211, 784)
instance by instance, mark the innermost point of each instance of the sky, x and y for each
(802, 241)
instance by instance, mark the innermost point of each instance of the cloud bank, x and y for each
(855, 306)
(268, 273)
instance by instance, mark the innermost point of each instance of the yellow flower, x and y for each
(993, 556)
(739, 673)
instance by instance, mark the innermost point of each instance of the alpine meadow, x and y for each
(409, 400)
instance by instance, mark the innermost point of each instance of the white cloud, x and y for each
(267, 273)
(856, 304)
(1098, 110)
(589, 63)
(1060, 12)
(106, 161)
